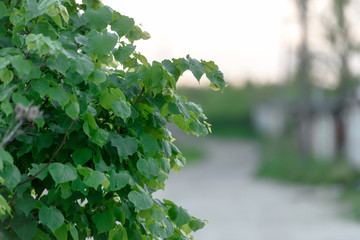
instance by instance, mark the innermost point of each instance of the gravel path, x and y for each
(222, 189)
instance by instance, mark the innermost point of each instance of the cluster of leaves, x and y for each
(87, 166)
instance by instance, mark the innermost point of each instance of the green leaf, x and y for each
(141, 200)
(196, 224)
(25, 231)
(6, 76)
(59, 63)
(57, 20)
(196, 68)
(41, 86)
(72, 109)
(118, 180)
(99, 77)
(94, 179)
(36, 168)
(83, 65)
(217, 79)
(121, 109)
(51, 217)
(60, 95)
(74, 232)
(22, 66)
(126, 146)
(26, 203)
(122, 53)
(61, 233)
(4, 207)
(155, 78)
(198, 129)
(64, 13)
(149, 144)
(149, 168)
(98, 19)
(98, 135)
(5, 157)
(40, 235)
(182, 64)
(102, 43)
(107, 99)
(4, 61)
(62, 173)
(162, 230)
(122, 25)
(81, 156)
(209, 66)
(18, 98)
(179, 215)
(11, 175)
(104, 221)
(118, 234)
(7, 108)
(171, 69)
(36, 8)
(3, 10)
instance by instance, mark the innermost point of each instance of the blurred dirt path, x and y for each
(222, 189)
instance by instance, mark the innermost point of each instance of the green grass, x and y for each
(281, 161)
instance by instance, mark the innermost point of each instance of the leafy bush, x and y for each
(84, 142)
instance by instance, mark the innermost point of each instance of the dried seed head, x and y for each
(21, 111)
(32, 113)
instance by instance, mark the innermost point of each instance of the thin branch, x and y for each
(44, 60)
(41, 66)
(52, 158)
(21, 223)
(31, 134)
(47, 97)
(13, 198)
(17, 224)
(141, 93)
(7, 138)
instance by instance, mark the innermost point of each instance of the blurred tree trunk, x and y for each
(303, 79)
(340, 39)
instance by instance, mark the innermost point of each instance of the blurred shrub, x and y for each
(282, 161)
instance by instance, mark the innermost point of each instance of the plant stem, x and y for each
(52, 158)
(141, 93)
(7, 138)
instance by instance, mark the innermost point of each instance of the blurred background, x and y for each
(283, 161)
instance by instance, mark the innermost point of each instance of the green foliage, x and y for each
(84, 143)
(238, 122)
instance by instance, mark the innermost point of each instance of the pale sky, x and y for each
(246, 38)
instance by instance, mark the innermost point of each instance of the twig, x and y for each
(31, 134)
(17, 224)
(47, 97)
(13, 198)
(52, 158)
(21, 223)
(11, 134)
(43, 62)
(141, 93)
(41, 65)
